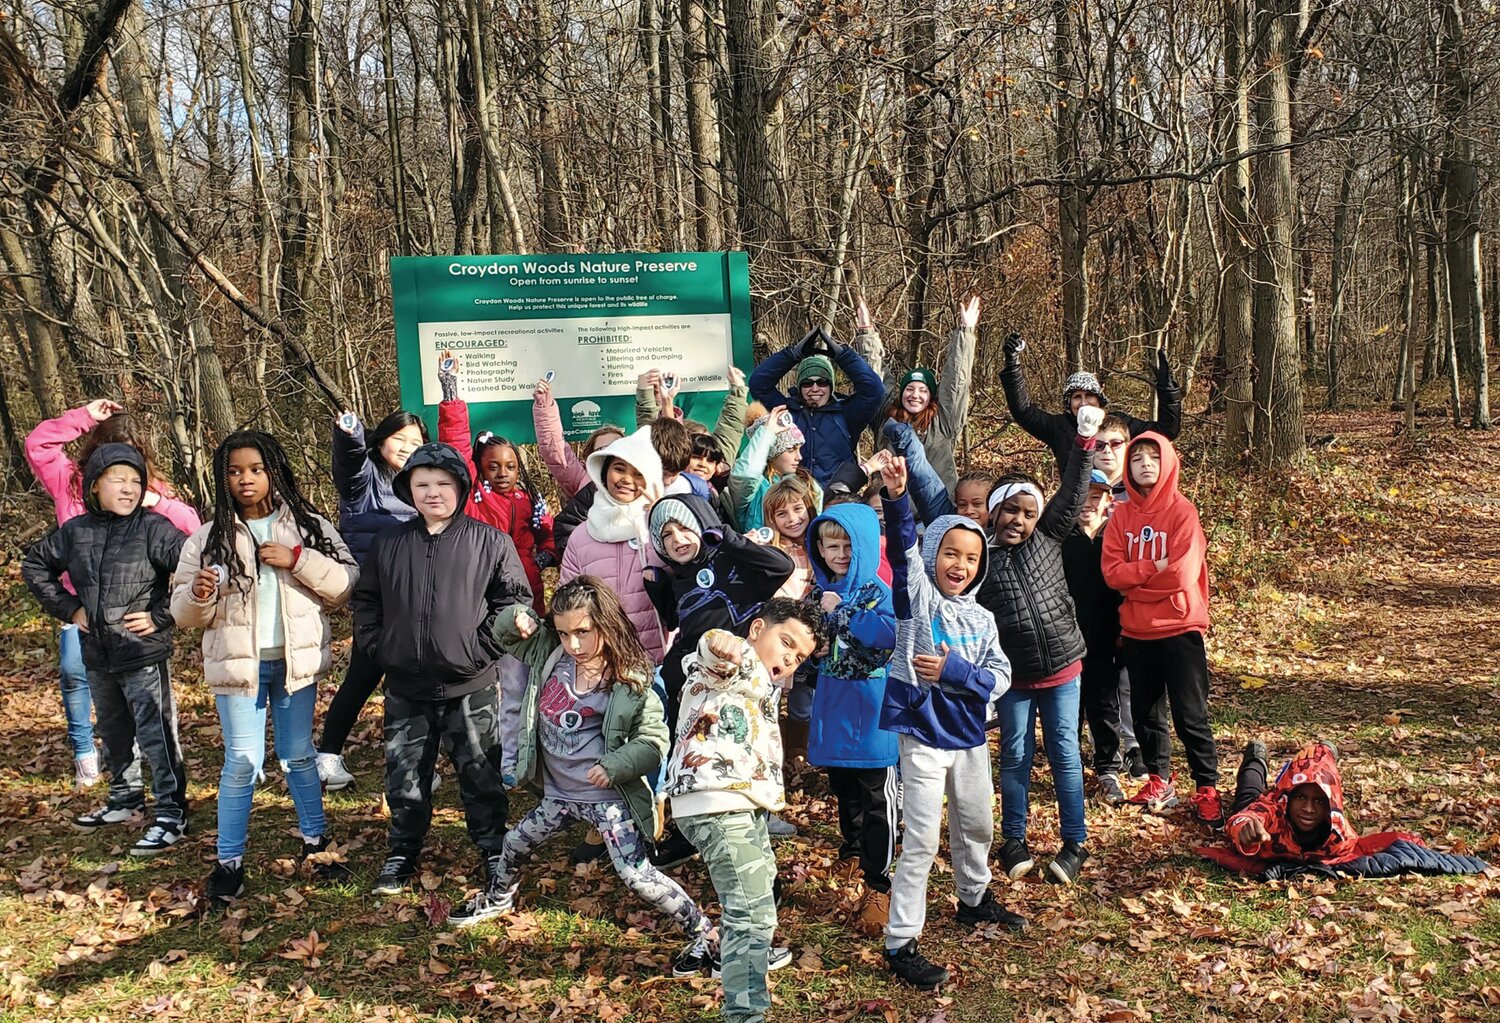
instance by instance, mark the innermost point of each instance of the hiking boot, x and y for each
(586, 851)
(1067, 864)
(1207, 806)
(107, 815)
(223, 886)
(85, 771)
(333, 773)
(395, 875)
(1136, 763)
(159, 837)
(672, 851)
(1110, 791)
(1158, 796)
(911, 967)
(324, 865)
(988, 911)
(1015, 858)
(847, 868)
(873, 914)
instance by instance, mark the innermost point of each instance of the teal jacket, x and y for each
(635, 727)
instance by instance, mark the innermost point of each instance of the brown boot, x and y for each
(794, 741)
(873, 913)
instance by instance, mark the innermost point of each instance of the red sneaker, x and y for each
(1157, 795)
(1207, 805)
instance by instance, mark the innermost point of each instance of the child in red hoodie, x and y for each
(1155, 555)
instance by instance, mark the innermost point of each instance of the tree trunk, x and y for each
(703, 127)
(919, 55)
(393, 131)
(1072, 197)
(1344, 241)
(1236, 304)
(555, 234)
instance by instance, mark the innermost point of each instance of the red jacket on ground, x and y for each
(1145, 529)
(510, 512)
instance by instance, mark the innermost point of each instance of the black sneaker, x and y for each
(672, 851)
(1255, 753)
(587, 852)
(395, 875)
(1015, 858)
(911, 967)
(777, 957)
(989, 912)
(702, 956)
(492, 902)
(1067, 864)
(324, 867)
(106, 816)
(223, 886)
(1136, 763)
(159, 837)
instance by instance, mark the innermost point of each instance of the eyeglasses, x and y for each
(1113, 445)
(817, 382)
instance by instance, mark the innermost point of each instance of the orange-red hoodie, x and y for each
(1145, 529)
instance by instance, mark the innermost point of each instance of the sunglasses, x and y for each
(817, 382)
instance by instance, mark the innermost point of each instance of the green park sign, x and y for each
(595, 322)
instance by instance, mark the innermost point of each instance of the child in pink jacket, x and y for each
(613, 543)
(101, 421)
(566, 465)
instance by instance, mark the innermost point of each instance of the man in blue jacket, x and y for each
(830, 422)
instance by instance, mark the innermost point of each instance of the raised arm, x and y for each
(958, 369)
(749, 468)
(556, 452)
(45, 453)
(352, 471)
(1168, 399)
(861, 407)
(1061, 514)
(765, 377)
(729, 430)
(1027, 416)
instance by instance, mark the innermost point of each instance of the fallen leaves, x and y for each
(305, 950)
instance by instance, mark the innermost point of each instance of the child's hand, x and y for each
(649, 380)
(1014, 345)
(101, 409)
(968, 313)
(726, 646)
(443, 357)
(829, 601)
(205, 583)
(277, 555)
(81, 619)
(526, 625)
(138, 623)
(1089, 419)
(1161, 564)
(777, 426)
(597, 777)
(1254, 833)
(877, 464)
(895, 477)
(929, 667)
(736, 377)
(348, 422)
(542, 393)
(862, 320)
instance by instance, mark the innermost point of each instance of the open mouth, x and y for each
(956, 580)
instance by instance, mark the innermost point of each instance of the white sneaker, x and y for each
(333, 773)
(86, 771)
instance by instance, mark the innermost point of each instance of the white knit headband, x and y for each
(1005, 493)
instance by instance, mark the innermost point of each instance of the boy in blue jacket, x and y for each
(947, 669)
(843, 545)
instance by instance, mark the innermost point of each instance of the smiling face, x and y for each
(786, 463)
(1078, 399)
(118, 489)
(434, 492)
(1145, 465)
(835, 548)
(1015, 519)
(397, 448)
(915, 396)
(781, 647)
(575, 630)
(1095, 511)
(815, 391)
(790, 520)
(499, 467)
(703, 466)
(958, 559)
(680, 542)
(969, 501)
(246, 477)
(623, 481)
(1307, 808)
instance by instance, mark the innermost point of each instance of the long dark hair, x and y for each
(397, 420)
(487, 440)
(219, 548)
(618, 643)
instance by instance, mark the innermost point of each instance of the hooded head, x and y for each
(692, 523)
(103, 457)
(634, 450)
(1311, 795)
(435, 455)
(858, 521)
(953, 568)
(1166, 467)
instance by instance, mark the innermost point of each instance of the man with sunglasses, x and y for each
(830, 422)
(1056, 429)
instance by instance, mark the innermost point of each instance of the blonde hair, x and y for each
(787, 490)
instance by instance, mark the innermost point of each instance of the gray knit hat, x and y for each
(668, 509)
(1085, 382)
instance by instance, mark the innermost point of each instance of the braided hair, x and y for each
(219, 548)
(487, 440)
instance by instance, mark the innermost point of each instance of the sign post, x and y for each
(595, 322)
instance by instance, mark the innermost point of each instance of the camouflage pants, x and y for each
(468, 730)
(737, 852)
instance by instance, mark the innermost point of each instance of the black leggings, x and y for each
(1248, 785)
(360, 681)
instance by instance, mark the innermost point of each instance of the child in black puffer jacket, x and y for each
(1026, 590)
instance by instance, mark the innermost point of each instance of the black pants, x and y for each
(1249, 784)
(1172, 671)
(359, 682)
(468, 730)
(1100, 690)
(867, 819)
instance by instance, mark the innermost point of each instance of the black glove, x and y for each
(809, 344)
(1014, 343)
(1164, 379)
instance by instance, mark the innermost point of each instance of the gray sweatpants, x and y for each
(137, 709)
(927, 775)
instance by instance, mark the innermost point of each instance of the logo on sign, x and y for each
(587, 415)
